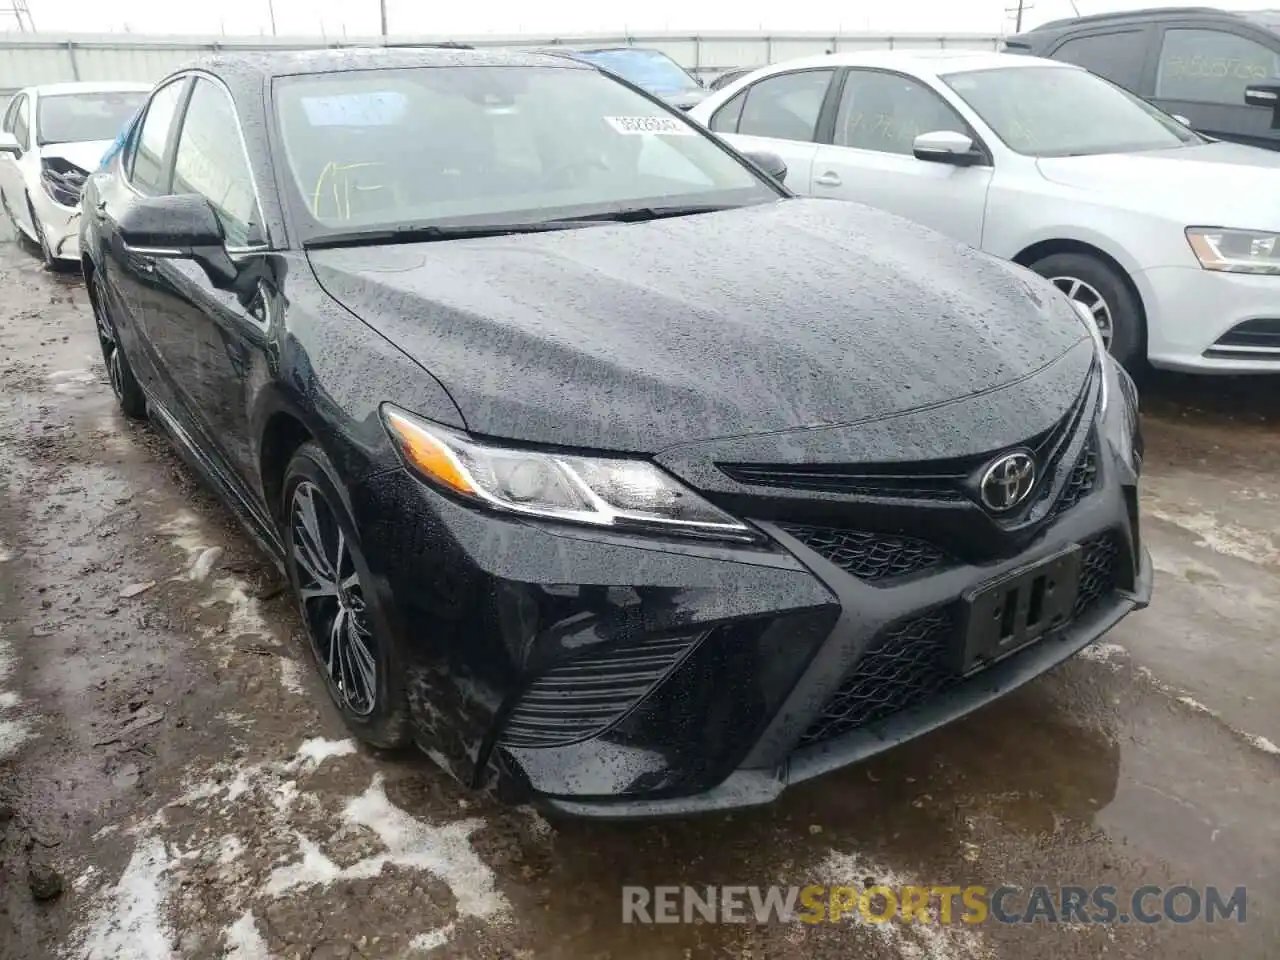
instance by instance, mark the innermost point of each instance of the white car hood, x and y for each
(87, 154)
(1213, 182)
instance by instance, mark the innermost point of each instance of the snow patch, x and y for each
(444, 851)
(910, 941)
(317, 750)
(1194, 705)
(127, 922)
(291, 676)
(1102, 652)
(1262, 743)
(432, 939)
(202, 566)
(244, 942)
(5, 553)
(1220, 536)
(14, 731)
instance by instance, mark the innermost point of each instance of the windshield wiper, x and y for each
(428, 233)
(641, 214)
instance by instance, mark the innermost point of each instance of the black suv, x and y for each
(1219, 70)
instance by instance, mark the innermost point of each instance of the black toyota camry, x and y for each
(605, 470)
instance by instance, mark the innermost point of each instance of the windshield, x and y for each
(1065, 112)
(82, 117)
(491, 145)
(648, 69)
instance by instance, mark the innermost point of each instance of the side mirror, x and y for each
(770, 163)
(946, 146)
(1262, 95)
(1181, 119)
(181, 227)
(9, 144)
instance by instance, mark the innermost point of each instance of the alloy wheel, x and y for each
(110, 348)
(333, 599)
(1088, 297)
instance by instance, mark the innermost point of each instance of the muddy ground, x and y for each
(169, 758)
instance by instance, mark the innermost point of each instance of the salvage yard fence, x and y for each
(28, 59)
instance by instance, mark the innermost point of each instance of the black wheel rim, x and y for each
(110, 349)
(333, 599)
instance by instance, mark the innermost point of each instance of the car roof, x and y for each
(277, 63)
(927, 63)
(88, 86)
(1144, 14)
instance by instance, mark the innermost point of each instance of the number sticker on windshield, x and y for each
(647, 125)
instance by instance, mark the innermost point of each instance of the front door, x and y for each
(17, 123)
(870, 157)
(209, 338)
(1202, 73)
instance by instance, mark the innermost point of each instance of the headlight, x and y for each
(1099, 351)
(1235, 251)
(618, 493)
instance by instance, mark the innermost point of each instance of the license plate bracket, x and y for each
(1006, 614)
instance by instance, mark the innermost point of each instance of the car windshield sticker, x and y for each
(645, 125)
(378, 109)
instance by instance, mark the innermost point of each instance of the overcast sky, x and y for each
(546, 17)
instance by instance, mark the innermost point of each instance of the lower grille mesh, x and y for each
(578, 699)
(911, 661)
(868, 556)
(1082, 480)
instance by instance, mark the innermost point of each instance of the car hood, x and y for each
(1214, 179)
(87, 154)
(783, 316)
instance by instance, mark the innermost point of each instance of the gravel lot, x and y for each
(168, 758)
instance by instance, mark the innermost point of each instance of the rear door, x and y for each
(144, 168)
(870, 158)
(781, 113)
(1201, 72)
(1120, 54)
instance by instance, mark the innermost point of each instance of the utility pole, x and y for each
(21, 13)
(382, 9)
(271, 12)
(1017, 12)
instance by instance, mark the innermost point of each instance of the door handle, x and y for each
(829, 179)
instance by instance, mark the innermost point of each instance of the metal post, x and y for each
(71, 55)
(271, 11)
(382, 9)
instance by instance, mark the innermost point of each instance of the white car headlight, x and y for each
(604, 492)
(1235, 251)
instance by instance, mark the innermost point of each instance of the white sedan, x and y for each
(51, 138)
(1170, 240)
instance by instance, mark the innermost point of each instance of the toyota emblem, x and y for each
(1007, 481)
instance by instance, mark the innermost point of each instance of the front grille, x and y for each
(928, 481)
(906, 664)
(911, 661)
(578, 699)
(868, 556)
(1084, 476)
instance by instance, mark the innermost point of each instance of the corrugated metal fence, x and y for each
(27, 59)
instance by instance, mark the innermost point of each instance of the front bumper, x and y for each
(616, 676)
(61, 226)
(1192, 313)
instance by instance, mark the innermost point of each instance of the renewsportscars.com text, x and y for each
(816, 903)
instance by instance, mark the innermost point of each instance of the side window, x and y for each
(21, 122)
(1212, 66)
(886, 112)
(785, 106)
(1117, 56)
(725, 120)
(210, 161)
(145, 159)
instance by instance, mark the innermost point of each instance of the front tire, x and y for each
(1098, 287)
(123, 383)
(347, 628)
